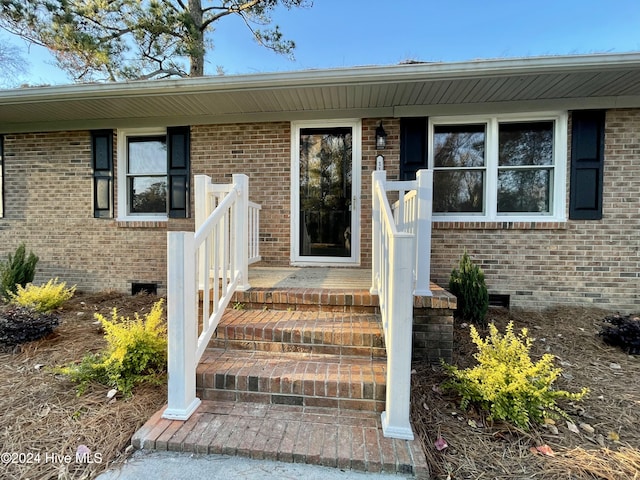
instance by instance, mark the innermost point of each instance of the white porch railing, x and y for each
(214, 260)
(400, 270)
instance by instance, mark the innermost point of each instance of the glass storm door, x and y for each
(327, 186)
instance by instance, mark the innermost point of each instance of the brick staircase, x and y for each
(295, 375)
(304, 358)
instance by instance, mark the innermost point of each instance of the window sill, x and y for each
(141, 223)
(506, 225)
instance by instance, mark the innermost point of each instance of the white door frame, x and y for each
(356, 174)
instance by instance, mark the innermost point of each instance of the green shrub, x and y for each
(136, 352)
(468, 285)
(18, 270)
(43, 298)
(507, 383)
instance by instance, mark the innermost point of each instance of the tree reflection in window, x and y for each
(459, 164)
(325, 191)
(525, 167)
(147, 175)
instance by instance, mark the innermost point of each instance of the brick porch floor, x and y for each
(297, 374)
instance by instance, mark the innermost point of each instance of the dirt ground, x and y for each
(43, 422)
(606, 444)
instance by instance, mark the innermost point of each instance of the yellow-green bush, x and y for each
(507, 383)
(136, 352)
(43, 298)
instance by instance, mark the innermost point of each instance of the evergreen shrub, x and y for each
(468, 285)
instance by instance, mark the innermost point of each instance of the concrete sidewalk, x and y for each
(175, 466)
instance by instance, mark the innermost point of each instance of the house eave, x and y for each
(603, 81)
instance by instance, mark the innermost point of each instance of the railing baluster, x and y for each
(205, 292)
(216, 270)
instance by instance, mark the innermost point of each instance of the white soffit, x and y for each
(591, 81)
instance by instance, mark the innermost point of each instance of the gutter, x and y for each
(328, 77)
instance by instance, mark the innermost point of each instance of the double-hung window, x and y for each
(499, 168)
(147, 175)
(142, 186)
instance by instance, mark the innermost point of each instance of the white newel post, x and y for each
(395, 419)
(424, 208)
(241, 230)
(182, 326)
(377, 176)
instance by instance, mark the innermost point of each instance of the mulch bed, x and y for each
(44, 422)
(478, 448)
(42, 415)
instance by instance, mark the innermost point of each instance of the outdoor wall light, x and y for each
(381, 137)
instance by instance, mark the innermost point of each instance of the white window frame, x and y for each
(356, 185)
(122, 139)
(557, 211)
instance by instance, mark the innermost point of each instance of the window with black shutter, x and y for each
(153, 173)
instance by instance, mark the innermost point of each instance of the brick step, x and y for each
(344, 439)
(315, 332)
(322, 299)
(302, 379)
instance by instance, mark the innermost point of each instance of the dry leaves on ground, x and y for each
(44, 423)
(602, 440)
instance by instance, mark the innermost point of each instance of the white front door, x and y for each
(325, 192)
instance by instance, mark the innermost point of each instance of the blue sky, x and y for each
(345, 33)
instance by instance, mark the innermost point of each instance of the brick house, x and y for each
(535, 170)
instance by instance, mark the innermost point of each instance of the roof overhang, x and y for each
(418, 89)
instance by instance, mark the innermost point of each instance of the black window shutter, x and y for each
(102, 159)
(178, 149)
(413, 146)
(587, 164)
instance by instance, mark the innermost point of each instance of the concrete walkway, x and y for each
(144, 465)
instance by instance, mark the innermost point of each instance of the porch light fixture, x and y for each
(381, 137)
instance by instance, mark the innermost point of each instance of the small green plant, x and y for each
(43, 298)
(136, 352)
(507, 383)
(18, 270)
(468, 285)
(238, 306)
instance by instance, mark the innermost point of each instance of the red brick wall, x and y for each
(578, 262)
(48, 201)
(48, 205)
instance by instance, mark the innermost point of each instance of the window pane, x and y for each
(526, 143)
(524, 191)
(458, 191)
(148, 194)
(325, 176)
(147, 155)
(459, 145)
